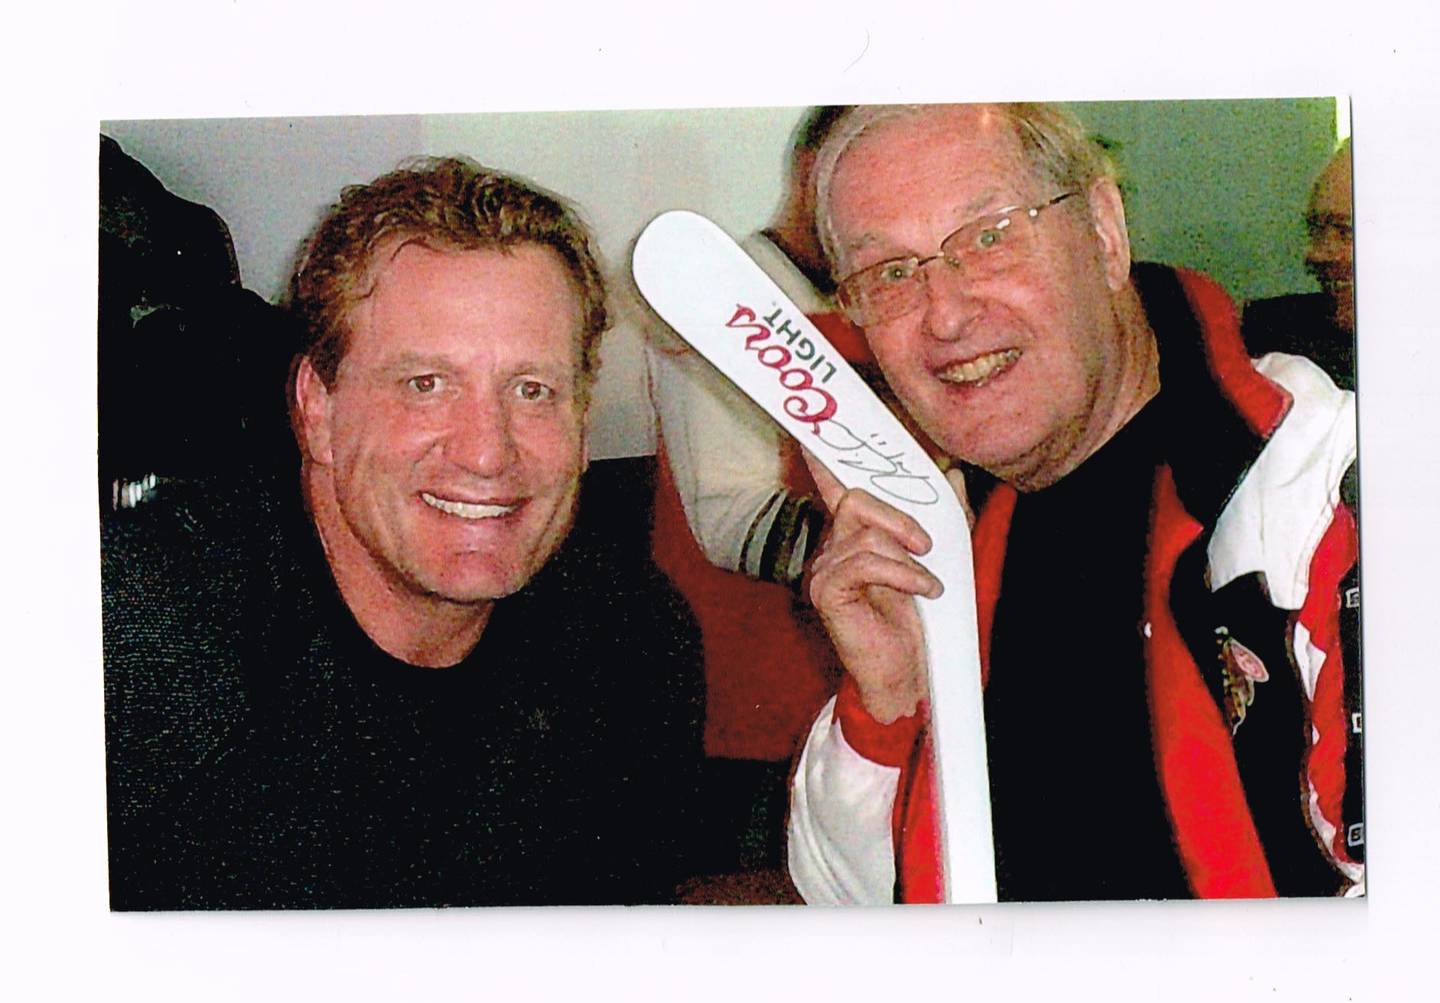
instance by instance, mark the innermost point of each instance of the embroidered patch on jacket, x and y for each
(1241, 669)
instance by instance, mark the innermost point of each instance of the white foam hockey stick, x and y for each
(709, 290)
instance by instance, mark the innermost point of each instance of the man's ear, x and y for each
(1107, 213)
(312, 407)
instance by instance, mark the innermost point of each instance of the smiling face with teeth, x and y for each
(1024, 373)
(443, 464)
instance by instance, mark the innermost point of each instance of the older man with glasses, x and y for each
(1162, 543)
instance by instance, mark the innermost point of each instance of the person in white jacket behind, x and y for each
(726, 456)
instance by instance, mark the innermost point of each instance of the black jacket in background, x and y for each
(1301, 325)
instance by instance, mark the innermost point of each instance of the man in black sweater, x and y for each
(404, 680)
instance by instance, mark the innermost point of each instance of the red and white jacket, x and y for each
(1248, 504)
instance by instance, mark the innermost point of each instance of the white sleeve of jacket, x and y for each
(841, 848)
(724, 451)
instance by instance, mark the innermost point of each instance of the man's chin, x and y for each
(481, 581)
(994, 454)
(473, 590)
(475, 571)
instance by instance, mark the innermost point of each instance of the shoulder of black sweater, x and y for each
(604, 595)
(178, 574)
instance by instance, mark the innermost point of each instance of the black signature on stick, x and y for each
(888, 473)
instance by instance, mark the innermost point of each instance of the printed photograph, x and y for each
(835, 505)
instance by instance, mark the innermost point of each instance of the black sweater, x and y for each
(263, 752)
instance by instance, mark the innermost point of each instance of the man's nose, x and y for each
(950, 306)
(479, 438)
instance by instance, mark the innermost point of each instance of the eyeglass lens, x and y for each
(981, 249)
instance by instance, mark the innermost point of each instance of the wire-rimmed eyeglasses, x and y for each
(981, 248)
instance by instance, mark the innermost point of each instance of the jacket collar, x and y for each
(1258, 449)
(1217, 411)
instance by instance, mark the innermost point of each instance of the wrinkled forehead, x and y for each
(395, 253)
(405, 255)
(520, 294)
(951, 162)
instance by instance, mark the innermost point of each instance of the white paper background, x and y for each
(66, 67)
